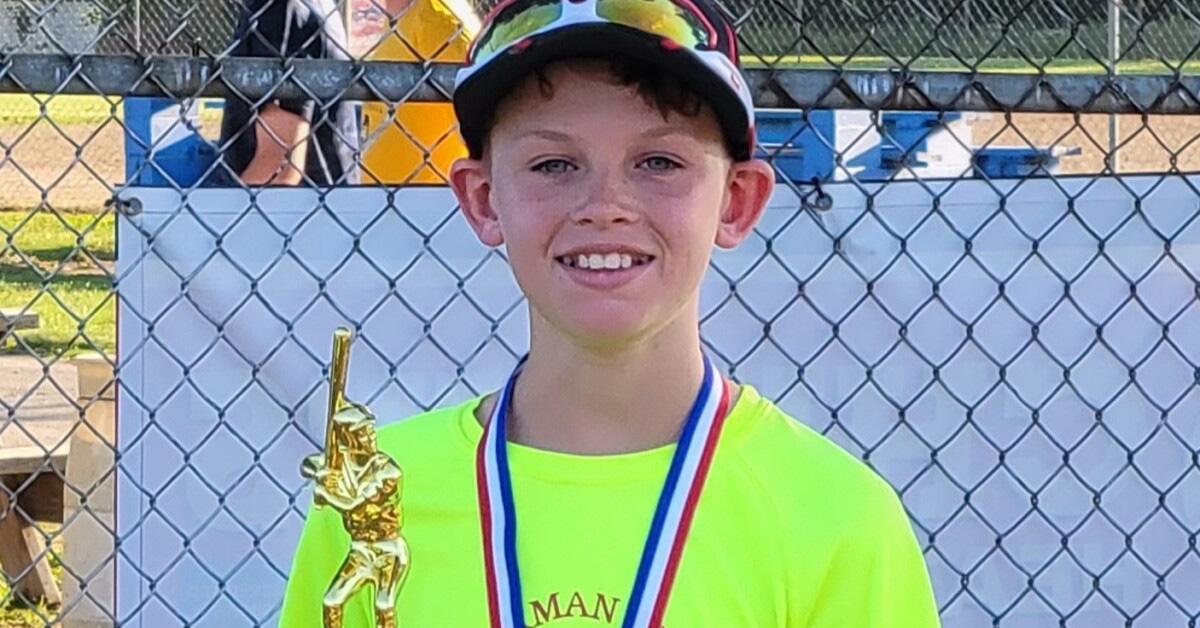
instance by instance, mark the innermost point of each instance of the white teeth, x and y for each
(608, 261)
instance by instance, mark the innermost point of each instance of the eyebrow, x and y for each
(667, 131)
(558, 136)
(546, 134)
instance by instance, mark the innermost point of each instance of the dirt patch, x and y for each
(1156, 144)
(68, 166)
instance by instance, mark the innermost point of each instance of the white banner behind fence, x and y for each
(998, 383)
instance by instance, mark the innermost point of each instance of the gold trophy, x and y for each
(363, 484)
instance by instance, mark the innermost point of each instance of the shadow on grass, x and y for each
(67, 302)
(45, 348)
(57, 254)
(17, 276)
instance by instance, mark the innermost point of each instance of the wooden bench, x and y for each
(36, 480)
(12, 319)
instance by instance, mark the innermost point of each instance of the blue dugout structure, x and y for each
(164, 146)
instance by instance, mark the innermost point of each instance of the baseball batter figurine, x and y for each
(617, 477)
(362, 484)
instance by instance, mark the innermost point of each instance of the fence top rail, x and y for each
(256, 78)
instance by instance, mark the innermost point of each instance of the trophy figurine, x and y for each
(363, 484)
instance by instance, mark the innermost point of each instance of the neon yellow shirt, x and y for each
(790, 531)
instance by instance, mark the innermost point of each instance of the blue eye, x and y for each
(554, 166)
(658, 163)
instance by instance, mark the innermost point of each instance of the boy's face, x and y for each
(593, 170)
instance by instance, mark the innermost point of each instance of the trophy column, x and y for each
(363, 484)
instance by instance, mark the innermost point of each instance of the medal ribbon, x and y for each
(668, 529)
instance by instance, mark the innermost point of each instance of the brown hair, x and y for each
(659, 89)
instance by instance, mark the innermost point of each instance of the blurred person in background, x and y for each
(275, 141)
(411, 142)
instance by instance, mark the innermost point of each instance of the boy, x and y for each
(610, 148)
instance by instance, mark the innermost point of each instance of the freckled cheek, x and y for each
(523, 187)
(690, 234)
(524, 206)
(654, 193)
(528, 230)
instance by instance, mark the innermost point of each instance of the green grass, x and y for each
(23, 108)
(15, 613)
(49, 237)
(943, 64)
(68, 109)
(62, 275)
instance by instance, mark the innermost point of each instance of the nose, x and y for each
(605, 204)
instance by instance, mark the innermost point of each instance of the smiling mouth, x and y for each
(611, 261)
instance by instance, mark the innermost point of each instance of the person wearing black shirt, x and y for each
(291, 142)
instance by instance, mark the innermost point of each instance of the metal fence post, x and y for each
(1112, 159)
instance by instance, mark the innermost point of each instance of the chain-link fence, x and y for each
(980, 273)
(965, 32)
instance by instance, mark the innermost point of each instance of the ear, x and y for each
(750, 185)
(471, 181)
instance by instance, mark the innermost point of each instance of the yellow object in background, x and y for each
(417, 142)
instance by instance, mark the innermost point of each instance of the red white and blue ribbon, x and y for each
(668, 530)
